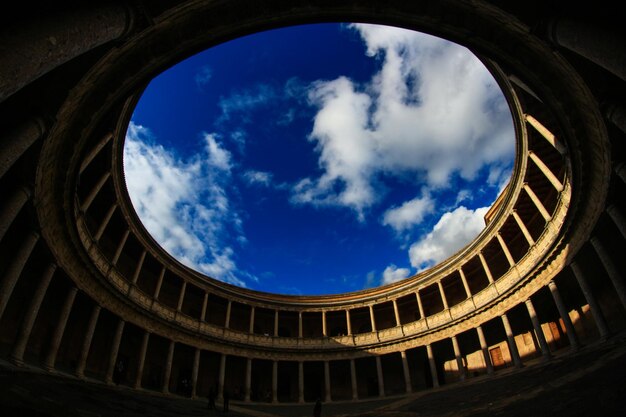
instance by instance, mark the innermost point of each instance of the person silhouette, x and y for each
(317, 409)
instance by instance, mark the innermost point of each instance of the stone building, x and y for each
(84, 287)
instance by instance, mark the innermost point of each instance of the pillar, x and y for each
(537, 202)
(505, 249)
(120, 247)
(301, 382)
(523, 228)
(355, 387)
(115, 347)
(543, 344)
(510, 338)
(468, 293)
(443, 295)
(18, 140)
(569, 327)
(205, 302)
(324, 332)
(379, 373)
(275, 381)
(485, 349)
(433, 365)
(94, 191)
(55, 342)
(251, 330)
(248, 382)
(105, 222)
(141, 360)
(300, 324)
(407, 373)
(459, 358)
(17, 353)
(611, 269)
(275, 322)
(396, 313)
(138, 267)
(181, 298)
(157, 289)
(618, 219)
(95, 151)
(483, 261)
(84, 352)
(596, 312)
(11, 208)
(327, 396)
(348, 323)
(221, 377)
(372, 318)
(14, 269)
(167, 372)
(556, 183)
(420, 306)
(194, 372)
(547, 135)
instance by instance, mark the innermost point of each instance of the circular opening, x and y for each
(319, 159)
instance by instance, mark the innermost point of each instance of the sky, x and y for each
(319, 159)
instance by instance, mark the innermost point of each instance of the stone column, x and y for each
(181, 299)
(523, 228)
(348, 323)
(611, 269)
(275, 381)
(84, 352)
(618, 219)
(120, 247)
(547, 135)
(600, 44)
(443, 295)
(459, 358)
(138, 267)
(18, 140)
(569, 327)
(251, 330)
(105, 222)
(157, 289)
(205, 302)
(95, 151)
(194, 372)
(301, 382)
(115, 347)
(396, 313)
(324, 332)
(543, 344)
(17, 353)
(142, 359)
(510, 337)
(372, 318)
(11, 208)
(355, 387)
(167, 372)
(14, 269)
(300, 324)
(556, 183)
(483, 261)
(433, 365)
(420, 306)
(620, 171)
(222, 376)
(506, 251)
(275, 322)
(468, 293)
(485, 349)
(407, 373)
(248, 383)
(327, 391)
(542, 209)
(598, 317)
(94, 191)
(55, 342)
(379, 374)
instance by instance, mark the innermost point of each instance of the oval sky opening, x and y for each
(319, 159)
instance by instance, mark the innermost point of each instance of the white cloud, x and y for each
(203, 76)
(409, 214)
(432, 111)
(246, 100)
(393, 274)
(452, 232)
(258, 178)
(183, 204)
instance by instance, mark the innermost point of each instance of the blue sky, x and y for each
(319, 159)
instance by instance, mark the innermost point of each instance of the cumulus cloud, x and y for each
(452, 232)
(242, 102)
(253, 177)
(432, 111)
(183, 204)
(392, 274)
(409, 214)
